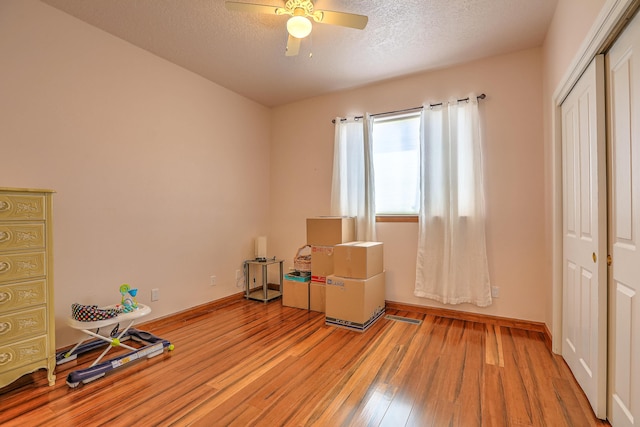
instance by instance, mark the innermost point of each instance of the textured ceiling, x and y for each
(245, 52)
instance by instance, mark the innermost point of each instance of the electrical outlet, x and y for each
(238, 274)
(495, 291)
(214, 280)
(155, 294)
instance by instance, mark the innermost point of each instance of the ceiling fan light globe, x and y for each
(299, 26)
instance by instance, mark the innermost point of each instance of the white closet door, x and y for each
(624, 235)
(584, 322)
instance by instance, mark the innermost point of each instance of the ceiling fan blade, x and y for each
(293, 46)
(343, 19)
(251, 7)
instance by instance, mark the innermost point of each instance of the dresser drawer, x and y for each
(21, 207)
(21, 266)
(23, 324)
(22, 353)
(21, 236)
(22, 295)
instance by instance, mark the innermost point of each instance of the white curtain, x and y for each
(352, 189)
(452, 259)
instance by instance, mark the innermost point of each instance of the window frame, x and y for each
(397, 218)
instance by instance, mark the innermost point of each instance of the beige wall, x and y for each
(566, 35)
(155, 168)
(301, 158)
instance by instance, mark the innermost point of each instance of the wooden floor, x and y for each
(249, 363)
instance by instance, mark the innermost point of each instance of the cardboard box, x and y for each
(354, 303)
(330, 230)
(295, 291)
(358, 260)
(321, 263)
(318, 296)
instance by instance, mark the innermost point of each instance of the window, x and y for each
(396, 159)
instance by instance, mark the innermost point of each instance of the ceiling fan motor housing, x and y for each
(305, 5)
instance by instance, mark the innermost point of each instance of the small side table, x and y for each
(265, 294)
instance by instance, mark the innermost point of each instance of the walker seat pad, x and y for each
(91, 313)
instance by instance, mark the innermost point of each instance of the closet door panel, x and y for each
(584, 320)
(624, 228)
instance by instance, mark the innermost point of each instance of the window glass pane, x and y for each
(396, 156)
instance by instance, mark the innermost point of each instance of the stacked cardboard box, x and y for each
(323, 233)
(295, 290)
(355, 292)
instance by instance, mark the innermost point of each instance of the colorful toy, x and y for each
(128, 300)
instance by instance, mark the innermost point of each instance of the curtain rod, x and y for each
(481, 96)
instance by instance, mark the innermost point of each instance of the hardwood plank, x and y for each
(427, 377)
(467, 399)
(377, 404)
(536, 367)
(494, 354)
(519, 405)
(239, 415)
(248, 363)
(494, 409)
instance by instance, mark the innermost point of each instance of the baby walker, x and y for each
(86, 318)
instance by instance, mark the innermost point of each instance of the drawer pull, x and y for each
(5, 358)
(5, 297)
(4, 236)
(5, 327)
(4, 206)
(4, 266)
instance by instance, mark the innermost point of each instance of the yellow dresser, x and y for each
(27, 322)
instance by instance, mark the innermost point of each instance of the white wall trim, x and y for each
(612, 17)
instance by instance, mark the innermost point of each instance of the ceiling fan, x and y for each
(299, 26)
